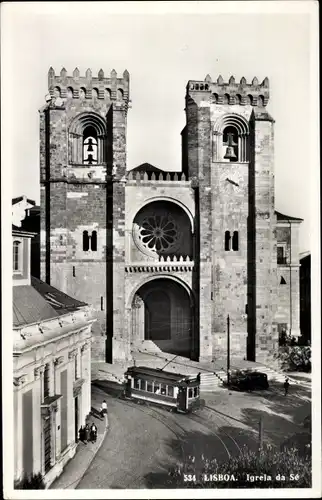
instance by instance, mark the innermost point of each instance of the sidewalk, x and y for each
(85, 453)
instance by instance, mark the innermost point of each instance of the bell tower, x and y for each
(230, 155)
(82, 173)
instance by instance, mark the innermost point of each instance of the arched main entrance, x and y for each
(163, 313)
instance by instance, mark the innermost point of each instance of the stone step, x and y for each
(212, 381)
(146, 345)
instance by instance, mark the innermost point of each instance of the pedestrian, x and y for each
(86, 434)
(286, 386)
(81, 433)
(103, 408)
(93, 433)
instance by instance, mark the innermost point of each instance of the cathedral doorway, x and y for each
(163, 315)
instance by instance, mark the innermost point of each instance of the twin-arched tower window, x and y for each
(231, 241)
(87, 140)
(89, 241)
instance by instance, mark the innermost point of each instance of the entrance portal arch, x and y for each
(162, 312)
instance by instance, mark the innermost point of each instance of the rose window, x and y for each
(158, 233)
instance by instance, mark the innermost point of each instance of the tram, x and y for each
(172, 391)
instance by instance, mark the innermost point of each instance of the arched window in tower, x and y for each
(227, 241)
(260, 101)
(235, 241)
(119, 94)
(85, 241)
(230, 138)
(57, 92)
(107, 94)
(87, 140)
(90, 146)
(94, 241)
(230, 144)
(70, 93)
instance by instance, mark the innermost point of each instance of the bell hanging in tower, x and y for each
(230, 151)
(90, 145)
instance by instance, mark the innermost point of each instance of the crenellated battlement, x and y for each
(231, 92)
(165, 177)
(88, 86)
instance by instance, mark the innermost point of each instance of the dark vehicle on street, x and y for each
(248, 380)
(172, 391)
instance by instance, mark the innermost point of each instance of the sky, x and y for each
(163, 46)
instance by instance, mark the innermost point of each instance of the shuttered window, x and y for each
(47, 443)
(63, 410)
(27, 432)
(46, 381)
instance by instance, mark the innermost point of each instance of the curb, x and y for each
(94, 454)
(72, 485)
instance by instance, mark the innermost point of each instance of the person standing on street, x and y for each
(86, 434)
(286, 386)
(81, 434)
(104, 408)
(93, 432)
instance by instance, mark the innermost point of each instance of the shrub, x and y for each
(295, 358)
(32, 482)
(269, 468)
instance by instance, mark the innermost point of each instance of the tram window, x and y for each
(149, 386)
(137, 383)
(157, 389)
(163, 389)
(143, 385)
(170, 391)
(195, 392)
(190, 393)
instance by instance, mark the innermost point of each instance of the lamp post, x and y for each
(260, 435)
(228, 350)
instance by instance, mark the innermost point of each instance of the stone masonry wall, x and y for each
(204, 224)
(121, 341)
(72, 204)
(266, 339)
(230, 211)
(288, 308)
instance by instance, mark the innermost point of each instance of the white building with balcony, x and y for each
(51, 366)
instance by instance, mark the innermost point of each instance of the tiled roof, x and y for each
(30, 307)
(21, 230)
(20, 198)
(40, 302)
(146, 167)
(61, 302)
(286, 217)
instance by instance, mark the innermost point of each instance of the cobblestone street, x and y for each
(144, 442)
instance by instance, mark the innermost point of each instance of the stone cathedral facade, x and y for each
(165, 257)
